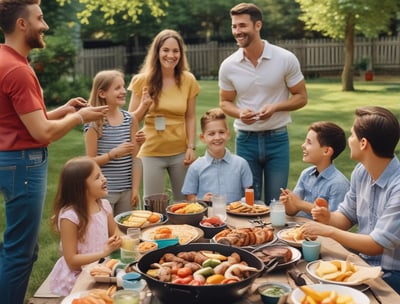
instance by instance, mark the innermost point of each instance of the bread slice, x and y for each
(325, 267)
(141, 213)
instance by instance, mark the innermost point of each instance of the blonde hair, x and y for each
(212, 115)
(102, 82)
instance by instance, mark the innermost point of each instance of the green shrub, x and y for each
(54, 64)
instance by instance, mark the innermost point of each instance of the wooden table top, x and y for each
(330, 249)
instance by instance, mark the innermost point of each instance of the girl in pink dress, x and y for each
(84, 221)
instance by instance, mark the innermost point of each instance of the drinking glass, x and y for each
(219, 206)
(278, 214)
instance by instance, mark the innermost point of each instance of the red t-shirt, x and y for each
(20, 93)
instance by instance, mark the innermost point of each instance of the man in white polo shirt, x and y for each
(267, 83)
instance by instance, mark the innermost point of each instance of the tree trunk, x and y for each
(347, 73)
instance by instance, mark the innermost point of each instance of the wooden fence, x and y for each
(315, 56)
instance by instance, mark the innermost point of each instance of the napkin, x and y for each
(364, 274)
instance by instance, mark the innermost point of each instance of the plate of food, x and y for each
(292, 236)
(242, 209)
(318, 292)
(185, 233)
(342, 272)
(105, 272)
(92, 296)
(286, 255)
(245, 237)
(139, 219)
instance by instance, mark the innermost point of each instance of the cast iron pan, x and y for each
(222, 293)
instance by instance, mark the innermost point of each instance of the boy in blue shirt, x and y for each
(218, 171)
(373, 201)
(323, 143)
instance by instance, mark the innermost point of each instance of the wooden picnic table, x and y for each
(378, 292)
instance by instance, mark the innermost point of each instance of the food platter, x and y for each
(242, 209)
(250, 246)
(356, 295)
(142, 220)
(104, 277)
(295, 253)
(286, 235)
(312, 266)
(185, 233)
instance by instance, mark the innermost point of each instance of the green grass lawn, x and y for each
(326, 102)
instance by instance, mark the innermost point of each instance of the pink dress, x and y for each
(62, 278)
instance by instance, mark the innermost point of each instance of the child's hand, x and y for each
(207, 197)
(140, 137)
(321, 214)
(123, 149)
(134, 198)
(290, 201)
(113, 243)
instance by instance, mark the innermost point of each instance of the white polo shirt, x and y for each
(268, 82)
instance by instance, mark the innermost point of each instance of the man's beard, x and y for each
(35, 41)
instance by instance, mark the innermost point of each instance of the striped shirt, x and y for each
(117, 171)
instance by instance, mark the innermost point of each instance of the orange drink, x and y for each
(249, 196)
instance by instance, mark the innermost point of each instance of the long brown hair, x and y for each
(152, 66)
(71, 192)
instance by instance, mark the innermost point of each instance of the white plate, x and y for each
(185, 233)
(310, 267)
(126, 214)
(358, 296)
(281, 235)
(296, 254)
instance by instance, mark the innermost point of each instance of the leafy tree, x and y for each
(344, 19)
(54, 67)
(130, 9)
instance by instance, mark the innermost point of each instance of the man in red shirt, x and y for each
(26, 128)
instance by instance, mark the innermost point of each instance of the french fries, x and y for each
(312, 296)
(335, 270)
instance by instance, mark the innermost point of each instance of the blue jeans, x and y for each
(23, 182)
(267, 153)
(392, 278)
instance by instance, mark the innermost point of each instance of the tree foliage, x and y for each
(330, 17)
(344, 19)
(129, 9)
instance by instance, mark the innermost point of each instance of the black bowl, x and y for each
(188, 218)
(210, 231)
